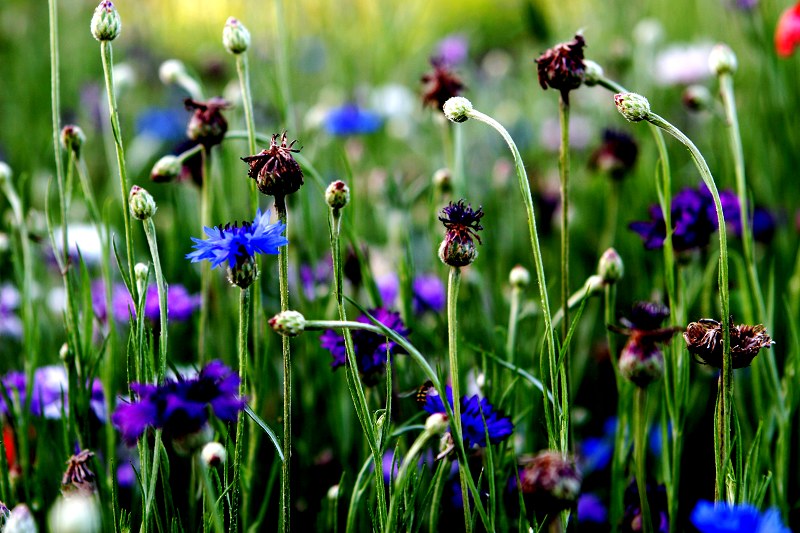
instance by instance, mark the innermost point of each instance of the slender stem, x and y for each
(525, 190)
(244, 310)
(151, 488)
(211, 496)
(205, 268)
(108, 70)
(243, 70)
(513, 323)
(453, 281)
(283, 65)
(620, 448)
(400, 482)
(563, 168)
(283, 278)
(161, 285)
(55, 107)
(640, 451)
(726, 397)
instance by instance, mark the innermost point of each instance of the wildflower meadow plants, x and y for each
(392, 368)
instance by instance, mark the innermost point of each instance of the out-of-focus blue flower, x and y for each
(163, 124)
(49, 393)
(591, 509)
(744, 5)
(429, 293)
(236, 244)
(453, 49)
(315, 280)
(694, 219)
(350, 119)
(181, 407)
(370, 348)
(180, 303)
(478, 417)
(595, 452)
(388, 287)
(10, 324)
(632, 519)
(720, 518)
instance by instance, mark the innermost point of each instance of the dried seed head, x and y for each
(551, 480)
(440, 85)
(207, 125)
(562, 67)
(106, 23)
(275, 170)
(79, 480)
(704, 339)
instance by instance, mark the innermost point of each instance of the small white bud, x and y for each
(213, 454)
(457, 109)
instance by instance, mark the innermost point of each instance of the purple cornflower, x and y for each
(370, 348)
(181, 407)
(10, 324)
(428, 292)
(478, 417)
(452, 50)
(462, 224)
(350, 119)
(711, 517)
(641, 359)
(694, 219)
(49, 393)
(180, 303)
(591, 509)
(315, 280)
(238, 245)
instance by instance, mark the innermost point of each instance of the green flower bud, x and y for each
(72, 138)
(244, 273)
(722, 60)
(166, 169)
(235, 36)
(457, 109)
(141, 272)
(519, 277)
(592, 74)
(610, 267)
(457, 252)
(141, 203)
(5, 173)
(634, 107)
(288, 323)
(106, 23)
(437, 423)
(337, 194)
(213, 454)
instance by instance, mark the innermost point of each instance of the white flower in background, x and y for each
(83, 237)
(682, 64)
(581, 133)
(78, 514)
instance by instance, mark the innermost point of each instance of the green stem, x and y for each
(161, 286)
(211, 496)
(151, 488)
(640, 451)
(726, 398)
(618, 458)
(243, 70)
(453, 282)
(400, 482)
(205, 267)
(283, 278)
(244, 309)
(108, 71)
(563, 169)
(525, 190)
(283, 65)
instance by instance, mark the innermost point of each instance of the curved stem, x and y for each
(244, 309)
(107, 57)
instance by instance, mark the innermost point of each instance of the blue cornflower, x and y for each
(350, 119)
(238, 245)
(720, 518)
(478, 417)
(181, 407)
(162, 124)
(371, 348)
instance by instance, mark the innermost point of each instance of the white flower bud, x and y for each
(457, 109)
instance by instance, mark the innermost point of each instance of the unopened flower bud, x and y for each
(593, 73)
(722, 60)
(235, 36)
(610, 267)
(288, 323)
(140, 272)
(166, 169)
(552, 481)
(5, 173)
(213, 454)
(106, 23)
(457, 109)
(63, 352)
(437, 423)
(337, 194)
(20, 520)
(141, 203)
(443, 180)
(634, 107)
(697, 98)
(519, 277)
(457, 252)
(333, 492)
(72, 138)
(79, 514)
(244, 273)
(171, 71)
(642, 362)
(593, 285)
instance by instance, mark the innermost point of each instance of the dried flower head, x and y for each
(78, 480)
(551, 481)
(207, 125)
(562, 68)
(462, 224)
(275, 170)
(440, 85)
(704, 339)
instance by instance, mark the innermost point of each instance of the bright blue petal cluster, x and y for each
(236, 243)
(352, 120)
(478, 418)
(710, 518)
(181, 407)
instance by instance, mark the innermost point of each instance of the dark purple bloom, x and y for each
(429, 293)
(180, 304)
(370, 348)
(462, 224)
(478, 417)
(561, 67)
(183, 406)
(709, 517)
(440, 85)
(350, 119)
(10, 324)
(207, 125)
(616, 155)
(694, 219)
(49, 393)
